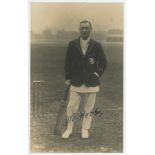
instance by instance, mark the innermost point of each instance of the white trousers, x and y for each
(73, 106)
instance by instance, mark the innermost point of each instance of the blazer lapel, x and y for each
(90, 46)
(77, 43)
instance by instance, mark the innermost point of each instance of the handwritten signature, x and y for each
(96, 112)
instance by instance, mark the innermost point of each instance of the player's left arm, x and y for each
(101, 61)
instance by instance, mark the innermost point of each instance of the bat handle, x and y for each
(66, 93)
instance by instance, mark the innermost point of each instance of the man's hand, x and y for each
(96, 74)
(67, 82)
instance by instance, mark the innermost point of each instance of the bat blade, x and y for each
(61, 122)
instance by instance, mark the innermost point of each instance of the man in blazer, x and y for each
(84, 65)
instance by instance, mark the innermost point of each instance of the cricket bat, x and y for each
(61, 118)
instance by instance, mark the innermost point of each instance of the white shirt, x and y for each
(83, 88)
(84, 45)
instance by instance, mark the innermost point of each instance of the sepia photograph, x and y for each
(76, 77)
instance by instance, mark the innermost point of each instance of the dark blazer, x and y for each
(80, 68)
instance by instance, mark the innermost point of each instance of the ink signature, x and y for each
(96, 112)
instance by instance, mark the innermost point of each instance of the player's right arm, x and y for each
(68, 65)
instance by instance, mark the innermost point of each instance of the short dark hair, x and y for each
(86, 21)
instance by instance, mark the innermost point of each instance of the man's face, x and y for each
(85, 30)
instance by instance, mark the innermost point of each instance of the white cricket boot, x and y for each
(85, 133)
(67, 133)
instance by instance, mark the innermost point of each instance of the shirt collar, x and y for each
(88, 39)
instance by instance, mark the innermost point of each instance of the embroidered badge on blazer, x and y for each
(91, 61)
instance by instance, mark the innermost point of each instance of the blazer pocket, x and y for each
(94, 77)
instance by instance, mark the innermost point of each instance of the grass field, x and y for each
(106, 134)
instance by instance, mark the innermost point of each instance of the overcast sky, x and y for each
(68, 15)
